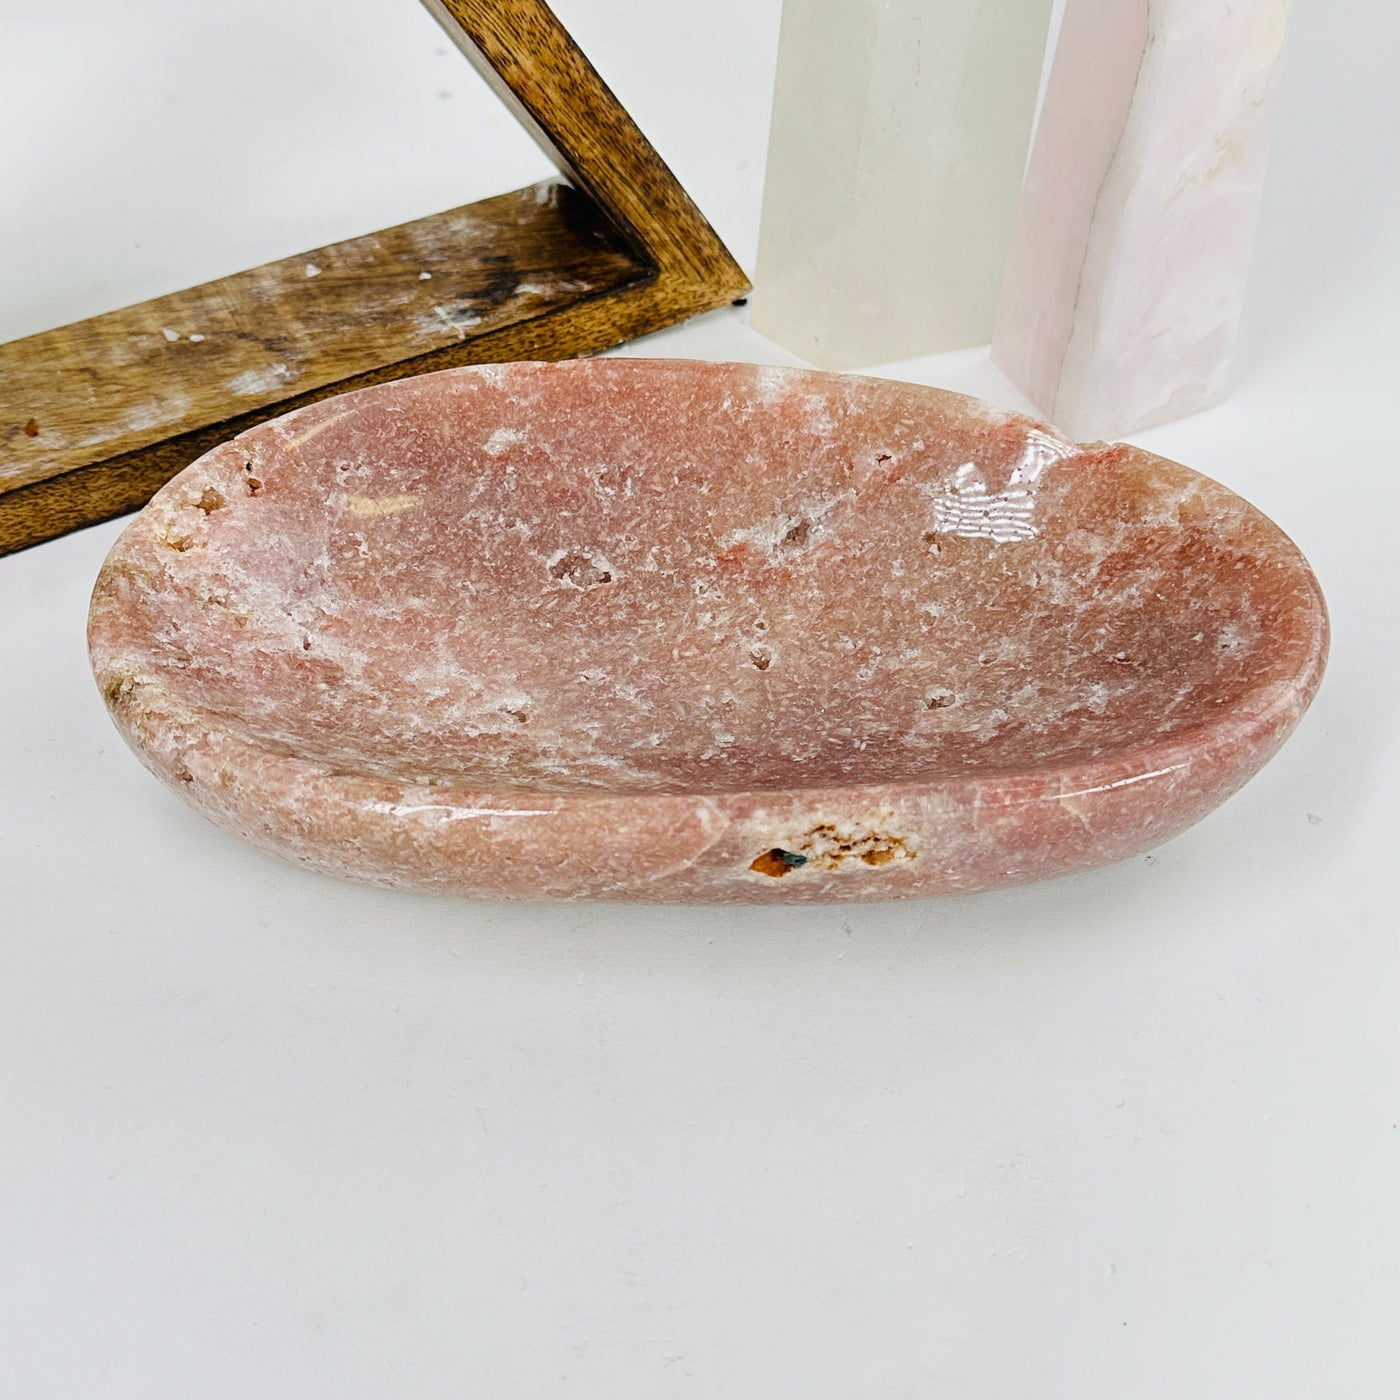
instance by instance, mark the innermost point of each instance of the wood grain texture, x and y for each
(97, 415)
(282, 332)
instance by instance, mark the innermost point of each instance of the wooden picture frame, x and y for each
(97, 415)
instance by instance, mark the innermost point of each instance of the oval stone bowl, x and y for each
(664, 631)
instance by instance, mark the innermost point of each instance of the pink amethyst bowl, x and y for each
(670, 631)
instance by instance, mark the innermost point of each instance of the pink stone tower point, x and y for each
(1126, 278)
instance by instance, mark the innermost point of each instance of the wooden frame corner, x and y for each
(97, 415)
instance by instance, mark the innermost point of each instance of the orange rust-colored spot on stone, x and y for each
(31, 428)
(825, 847)
(736, 558)
(777, 862)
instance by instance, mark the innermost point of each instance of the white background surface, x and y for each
(1128, 1134)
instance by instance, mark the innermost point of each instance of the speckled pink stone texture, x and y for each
(662, 630)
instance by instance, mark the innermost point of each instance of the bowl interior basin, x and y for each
(661, 576)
